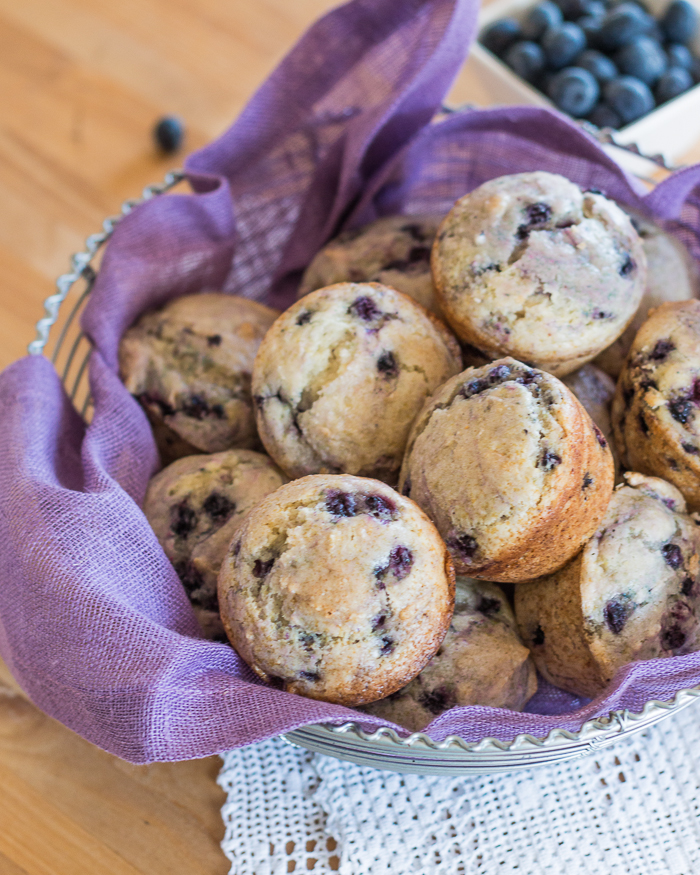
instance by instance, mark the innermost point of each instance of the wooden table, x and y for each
(81, 84)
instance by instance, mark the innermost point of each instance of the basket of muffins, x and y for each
(400, 493)
(394, 445)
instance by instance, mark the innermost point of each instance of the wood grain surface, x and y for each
(81, 85)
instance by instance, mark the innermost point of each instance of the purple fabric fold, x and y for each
(94, 622)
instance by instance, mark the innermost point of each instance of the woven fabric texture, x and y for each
(633, 809)
(94, 623)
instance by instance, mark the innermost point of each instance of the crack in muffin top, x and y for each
(342, 374)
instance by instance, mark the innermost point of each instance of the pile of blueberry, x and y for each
(609, 62)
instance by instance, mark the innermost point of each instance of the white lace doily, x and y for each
(633, 809)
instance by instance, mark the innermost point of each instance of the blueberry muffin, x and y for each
(530, 266)
(341, 376)
(656, 409)
(481, 661)
(630, 594)
(510, 468)
(672, 275)
(394, 251)
(595, 390)
(195, 506)
(337, 588)
(189, 366)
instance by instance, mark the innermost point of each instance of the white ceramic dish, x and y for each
(668, 131)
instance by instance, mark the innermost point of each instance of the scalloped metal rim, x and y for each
(594, 733)
(597, 728)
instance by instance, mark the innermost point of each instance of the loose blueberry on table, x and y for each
(608, 62)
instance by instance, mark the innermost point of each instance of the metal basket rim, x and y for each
(595, 731)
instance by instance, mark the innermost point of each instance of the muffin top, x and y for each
(338, 588)
(663, 369)
(189, 364)
(494, 458)
(672, 275)
(640, 576)
(528, 265)
(481, 661)
(595, 390)
(196, 505)
(341, 376)
(393, 250)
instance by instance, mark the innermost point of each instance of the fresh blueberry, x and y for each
(575, 91)
(499, 35)
(562, 44)
(643, 58)
(604, 116)
(680, 22)
(630, 98)
(623, 23)
(595, 9)
(598, 65)
(679, 56)
(591, 26)
(675, 81)
(169, 133)
(526, 59)
(656, 33)
(540, 18)
(574, 9)
(695, 70)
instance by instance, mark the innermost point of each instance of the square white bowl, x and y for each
(669, 131)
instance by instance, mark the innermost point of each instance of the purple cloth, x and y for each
(94, 623)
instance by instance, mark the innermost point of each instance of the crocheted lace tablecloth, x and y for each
(633, 808)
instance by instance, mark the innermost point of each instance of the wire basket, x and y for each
(383, 748)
